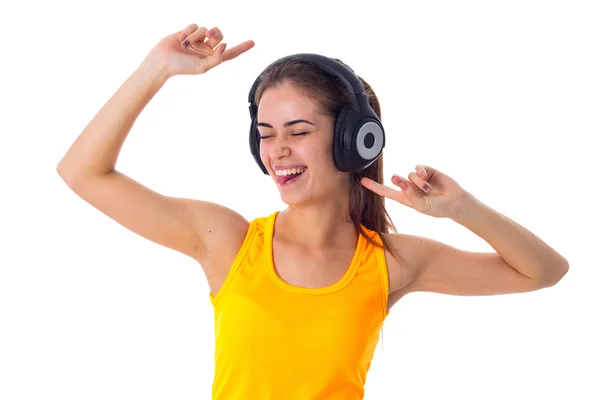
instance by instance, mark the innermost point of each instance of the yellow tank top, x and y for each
(279, 341)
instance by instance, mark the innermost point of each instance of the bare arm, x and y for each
(187, 226)
(95, 151)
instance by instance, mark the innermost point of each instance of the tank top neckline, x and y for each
(272, 273)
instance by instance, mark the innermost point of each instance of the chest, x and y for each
(311, 269)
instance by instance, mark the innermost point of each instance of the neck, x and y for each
(322, 225)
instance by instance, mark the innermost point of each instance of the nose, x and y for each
(279, 148)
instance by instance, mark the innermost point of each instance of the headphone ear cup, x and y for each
(341, 138)
(368, 144)
(255, 145)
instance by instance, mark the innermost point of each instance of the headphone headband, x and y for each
(328, 65)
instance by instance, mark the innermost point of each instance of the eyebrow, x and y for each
(289, 123)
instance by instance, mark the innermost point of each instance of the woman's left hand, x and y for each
(427, 190)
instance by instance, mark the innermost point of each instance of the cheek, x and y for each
(321, 153)
(264, 152)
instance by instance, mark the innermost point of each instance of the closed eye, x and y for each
(293, 134)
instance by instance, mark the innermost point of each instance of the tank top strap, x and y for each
(378, 256)
(251, 234)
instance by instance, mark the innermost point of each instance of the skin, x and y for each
(313, 239)
(317, 215)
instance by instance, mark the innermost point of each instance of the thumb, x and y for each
(215, 58)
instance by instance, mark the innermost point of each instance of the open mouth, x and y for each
(287, 177)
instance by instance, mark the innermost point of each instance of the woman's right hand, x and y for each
(202, 53)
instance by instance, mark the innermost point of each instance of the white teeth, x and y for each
(284, 172)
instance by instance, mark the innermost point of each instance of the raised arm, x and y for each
(199, 229)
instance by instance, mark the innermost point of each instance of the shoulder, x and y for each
(406, 256)
(233, 236)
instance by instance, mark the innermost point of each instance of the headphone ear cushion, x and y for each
(255, 145)
(341, 137)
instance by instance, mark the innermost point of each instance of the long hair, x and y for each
(330, 93)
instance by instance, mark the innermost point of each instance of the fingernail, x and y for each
(186, 43)
(403, 185)
(423, 175)
(210, 32)
(427, 187)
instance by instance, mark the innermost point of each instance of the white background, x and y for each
(502, 96)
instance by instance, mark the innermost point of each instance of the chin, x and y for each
(305, 195)
(295, 199)
(303, 191)
(295, 195)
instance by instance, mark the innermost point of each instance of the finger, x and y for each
(418, 182)
(422, 171)
(380, 189)
(386, 191)
(237, 50)
(197, 36)
(189, 29)
(215, 59)
(408, 188)
(214, 36)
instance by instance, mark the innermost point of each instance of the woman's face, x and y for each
(297, 137)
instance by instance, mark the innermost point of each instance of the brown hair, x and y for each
(330, 93)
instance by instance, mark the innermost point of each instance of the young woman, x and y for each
(300, 295)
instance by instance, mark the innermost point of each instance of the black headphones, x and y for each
(358, 137)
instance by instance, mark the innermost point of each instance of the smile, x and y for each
(289, 176)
